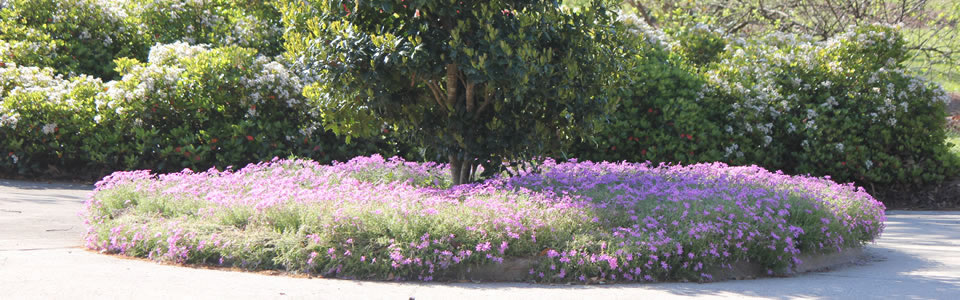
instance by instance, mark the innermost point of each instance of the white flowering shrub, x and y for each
(32, 48)
(71, 36)
(842, 107)
(193, 106)
(45, 119)
(251, 24)
(187, 106)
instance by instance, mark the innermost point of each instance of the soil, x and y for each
(941, 196)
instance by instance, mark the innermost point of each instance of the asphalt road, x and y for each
(918, 257)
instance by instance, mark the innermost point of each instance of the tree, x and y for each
(478, 82)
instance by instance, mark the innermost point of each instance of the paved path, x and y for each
(918, 257)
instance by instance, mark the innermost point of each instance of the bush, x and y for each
(250, 24)
(843, 107)
(188, 106)
(44, 118)
(191, 106)
(32, 49)
(74, 36)
(663, 116)
(699, 45)
(388, 220)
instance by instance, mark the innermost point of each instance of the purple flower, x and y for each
(483, 247)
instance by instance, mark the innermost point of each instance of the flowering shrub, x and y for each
(188, 106)
(580, 221)
(843, 107)
(33, 48)
(191, 106)
(250, 24)
(73, 36)
(44, 118)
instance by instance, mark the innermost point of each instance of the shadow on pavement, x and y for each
(32, 185)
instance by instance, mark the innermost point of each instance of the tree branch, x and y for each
(644, 12)
(435, 89)
(486, 102)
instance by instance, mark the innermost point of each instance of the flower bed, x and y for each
(372, 218)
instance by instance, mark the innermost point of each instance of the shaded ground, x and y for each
(40, 258)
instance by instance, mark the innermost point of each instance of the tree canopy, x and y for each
(475, 81)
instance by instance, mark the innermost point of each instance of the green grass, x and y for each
(953, 138)
(945, 73)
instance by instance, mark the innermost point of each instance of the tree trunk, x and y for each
(465, 171)
(455, 169)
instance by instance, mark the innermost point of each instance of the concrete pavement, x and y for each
(918, 257)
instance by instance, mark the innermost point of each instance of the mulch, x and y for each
(941, 196)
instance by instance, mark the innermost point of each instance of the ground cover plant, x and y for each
(372, 218)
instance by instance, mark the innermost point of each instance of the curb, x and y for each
(517, 269)
(809, 263)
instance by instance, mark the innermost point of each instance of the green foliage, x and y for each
(188, 106)
(476, 81)
(664, 116)
(33, 48)
(44, 118)
(843, 108)
(71, 36)
(221, 106)
(250, 24)
(700, 44)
